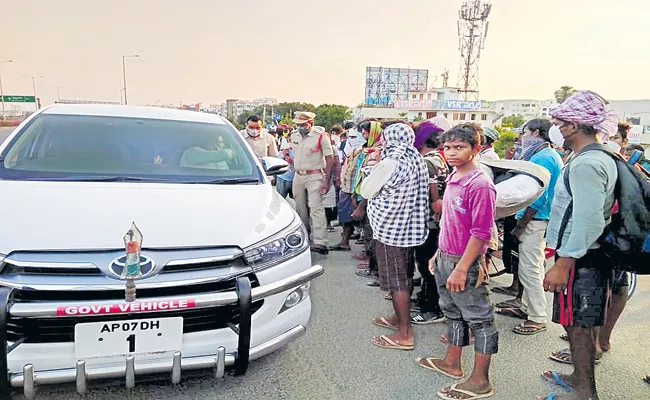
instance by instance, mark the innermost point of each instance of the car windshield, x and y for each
(99, 148)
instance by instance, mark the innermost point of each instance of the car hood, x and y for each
(93, 215)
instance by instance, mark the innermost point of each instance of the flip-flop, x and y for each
(472, 395)
(385, 342)
(364, 273)
(549, 397)
(524, 329)
(555, 378)
(388, 296)
(568, 358)
(373, 283)
(647, 379)
(512, 312)
(360, 257)
(363, 266)
(564, 337)
(338, 247)
(384, 323)
(503, 290)
(432, 367)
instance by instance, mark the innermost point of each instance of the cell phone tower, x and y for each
(472, 32)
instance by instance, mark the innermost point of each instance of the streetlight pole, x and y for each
(58, 94)
(34, 88)
(124, 72)
(2, 95)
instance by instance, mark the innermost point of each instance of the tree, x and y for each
(513, 121)
(328, 115)
(403, 114)
(564, 93)
(506, 140)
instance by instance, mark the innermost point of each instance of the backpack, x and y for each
(627, 238)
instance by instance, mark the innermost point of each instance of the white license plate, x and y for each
(120, 338)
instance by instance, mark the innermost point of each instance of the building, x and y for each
(232, 108)
(529, 109)
(426, 104)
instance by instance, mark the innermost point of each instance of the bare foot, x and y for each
(442, 365)
(565, 381)
(474, 387)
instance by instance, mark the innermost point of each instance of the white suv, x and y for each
(224, 260)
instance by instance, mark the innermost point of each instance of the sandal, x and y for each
(503, 290)
(564, 337)
(564, 356)
(512, 312)
(372, 283)
(528, 329)
(554, 377)
(450, 393)
(647, 379)
(384, 323)
(388, 296)
(360, 257)
(385, 342)
(338, 247)
(428, 364)
(363, 266)
(364, 273)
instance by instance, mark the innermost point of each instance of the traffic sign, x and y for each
(19, 99)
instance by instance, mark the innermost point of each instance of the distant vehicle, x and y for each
(225, 261)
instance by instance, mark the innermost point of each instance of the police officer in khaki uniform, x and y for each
(314, 164)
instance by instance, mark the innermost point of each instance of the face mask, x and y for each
(382, 140)
(304, 130)
(555, 134)
(252, 132)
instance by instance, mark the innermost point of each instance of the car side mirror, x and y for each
(274, 166)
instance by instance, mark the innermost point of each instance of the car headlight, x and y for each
(280, 247)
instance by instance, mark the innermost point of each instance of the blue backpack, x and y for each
(627, 238)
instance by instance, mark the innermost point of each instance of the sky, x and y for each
(313, 51)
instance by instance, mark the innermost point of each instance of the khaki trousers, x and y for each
(531, 270)
(309, 203)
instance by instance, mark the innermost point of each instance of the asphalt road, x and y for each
(335, 359)
(4, 132)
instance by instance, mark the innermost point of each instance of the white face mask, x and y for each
(555, 134)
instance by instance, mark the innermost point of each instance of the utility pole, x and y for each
(36, 103)
(124, 72)
(2, 95)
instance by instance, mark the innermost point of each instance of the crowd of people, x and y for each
(417, 196)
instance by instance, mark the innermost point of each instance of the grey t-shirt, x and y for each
(592, 177)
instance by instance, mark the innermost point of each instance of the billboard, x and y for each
(385, 86)
(441, 105)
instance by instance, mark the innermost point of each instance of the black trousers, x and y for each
(428, 298)
(510, 251)
(369, 247)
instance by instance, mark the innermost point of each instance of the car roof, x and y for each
(123, 111)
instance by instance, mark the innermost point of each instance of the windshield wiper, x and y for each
(98, 179)
(230, 181)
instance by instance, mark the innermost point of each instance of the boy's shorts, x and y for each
(470, 308)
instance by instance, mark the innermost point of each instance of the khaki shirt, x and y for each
(263, 145)
(308, 155)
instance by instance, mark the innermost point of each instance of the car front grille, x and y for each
(61, 329)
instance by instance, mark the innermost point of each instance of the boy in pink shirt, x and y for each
(468, 212)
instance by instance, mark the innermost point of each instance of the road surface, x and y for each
(335, 359)
(4, 132)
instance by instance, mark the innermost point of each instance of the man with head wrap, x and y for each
(398, 213)
(580, 213)
(490, 136)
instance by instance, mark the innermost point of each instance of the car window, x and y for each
(70, 145)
